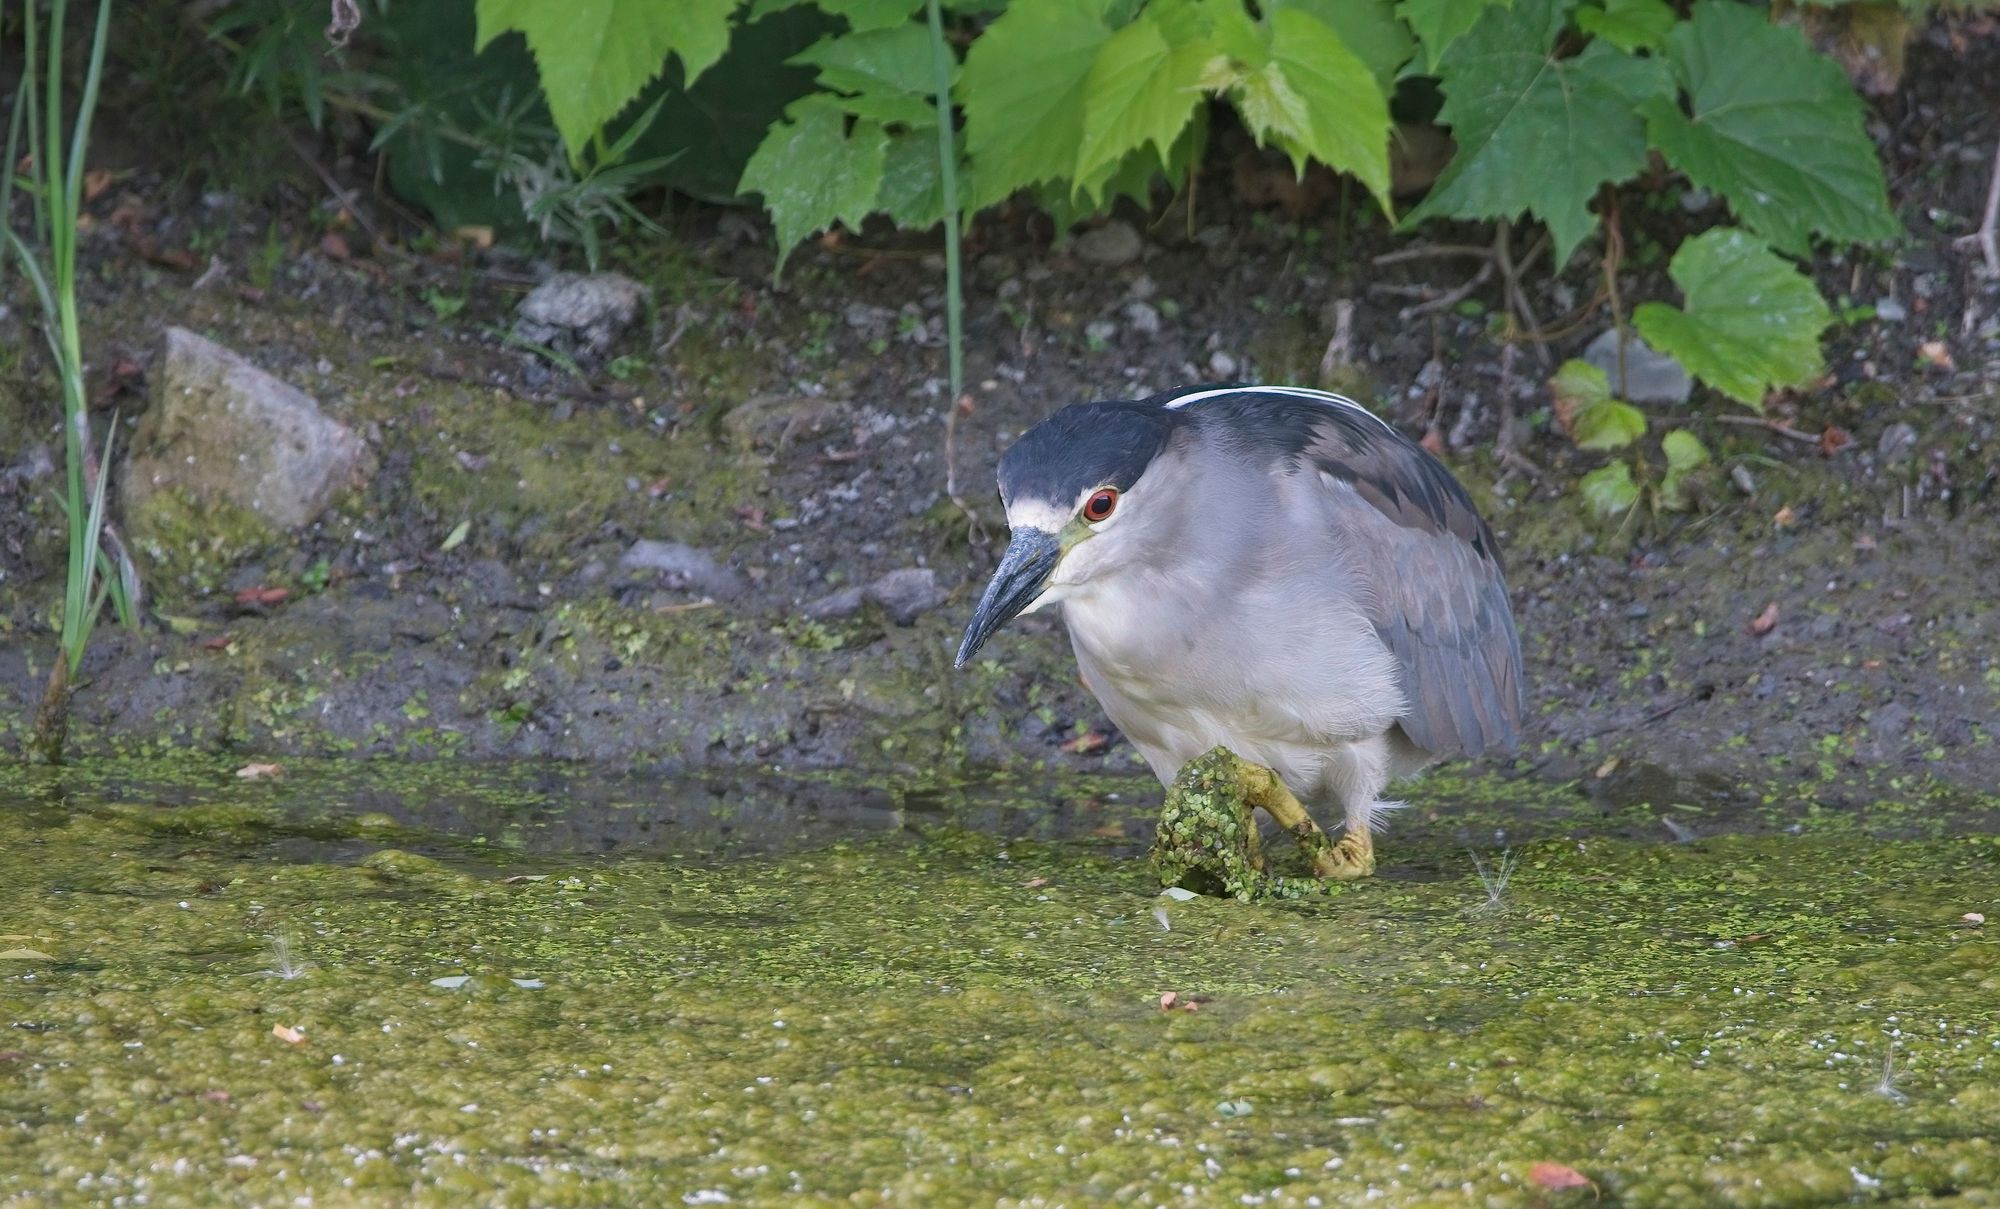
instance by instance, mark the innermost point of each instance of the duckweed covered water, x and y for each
(303, 992)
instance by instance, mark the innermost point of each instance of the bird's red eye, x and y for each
(1100, 504)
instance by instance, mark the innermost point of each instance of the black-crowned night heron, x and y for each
(1270, 569)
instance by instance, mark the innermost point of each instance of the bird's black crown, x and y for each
(1085, 445)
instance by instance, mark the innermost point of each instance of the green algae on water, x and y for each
(932, 1015)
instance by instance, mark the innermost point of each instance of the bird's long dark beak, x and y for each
(1023, 573)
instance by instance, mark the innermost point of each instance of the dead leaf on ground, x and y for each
(1558, 1177)
(263, 596)
(1834, 439)
(1433, 441)
(220, 642)
(1087, 743)
(1034, 883)
(259, 772)
(1766, 621)
(1784, 517)
(752, 517)
(1936, 355)
(1175, 1001)
(1608, 767)
(334, 246)
(287, 1034)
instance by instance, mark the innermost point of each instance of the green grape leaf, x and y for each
(595, 56)
(883, 74)
(812, 171)
(1607, 424)
(1628, 24)
(1369, 28)
(1577, 385)
(1439, 23)
(1023, 92)
(912, 188)
(1314, 98)
(1776, 129)
(1610, 490)
(1684, 450)
(1752, 321)
(865, 15)
(1141, 90)
(1536, 132)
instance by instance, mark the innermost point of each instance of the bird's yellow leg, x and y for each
(1352, 856)
(1208, 837)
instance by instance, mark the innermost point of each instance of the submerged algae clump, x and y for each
(1208, 840)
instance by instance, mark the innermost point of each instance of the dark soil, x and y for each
(797, 431)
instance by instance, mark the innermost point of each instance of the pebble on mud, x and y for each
(1650, 377)
(904, 595)
(684, 566)
(220, 432)
(1111, 245)
(580, 312)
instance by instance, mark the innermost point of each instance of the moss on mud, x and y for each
(940, 1016)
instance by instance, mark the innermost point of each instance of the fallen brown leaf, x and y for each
(1766, 621)
(1168, 1000)
(1784, 517)
(259, 772)
(1557, 1177)
(287, 1034)
(263, 596)
(1834, 439)
(1935, 354)
(334, 246)
(220, 642)
(1087, 743)
(95, 182)
(1034, 883)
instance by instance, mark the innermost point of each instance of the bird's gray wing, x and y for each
(1437, 589)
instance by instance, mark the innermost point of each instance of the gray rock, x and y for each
(683, 566)
(775, 421)
(34, 464)
(1888, 310)
(836, 605)
(1650, 377)
(1113, 244)
(580, 312)
(220, 434)
(906, 594)
(1896, 443)
(1143, 318)
(1100, 331)
(1222, 365)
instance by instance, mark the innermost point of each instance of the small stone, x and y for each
(1113, 244)
(684, 566)
(1650, 377)
(1888, 310)
(34, 464)
(1221, 364)
(232, 449)
(1143, 318)
(776, 421)
(580, 312)
(907, 594)
(1100, 332)
(1896, 444)
(837, 605)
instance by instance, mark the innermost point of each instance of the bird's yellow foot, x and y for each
(1208, 833)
